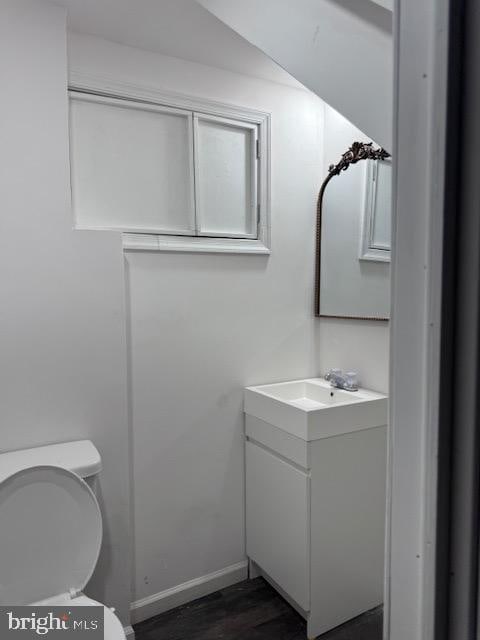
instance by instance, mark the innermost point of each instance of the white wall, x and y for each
(340, 49)
(204, 326)
(357, 345)
(62, 320)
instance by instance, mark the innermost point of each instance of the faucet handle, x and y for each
(332, 373)
(351, 381)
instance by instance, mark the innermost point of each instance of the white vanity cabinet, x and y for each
(315, 513)
(278, 520)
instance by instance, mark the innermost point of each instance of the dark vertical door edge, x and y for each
(458, 479)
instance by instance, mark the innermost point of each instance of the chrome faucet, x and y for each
(347, 381)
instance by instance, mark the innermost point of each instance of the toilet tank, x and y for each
(80, 456)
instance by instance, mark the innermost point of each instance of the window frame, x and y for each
(102, 89)
(367, 249)
(152, 108)
(253, 128)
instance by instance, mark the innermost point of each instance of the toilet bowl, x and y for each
(50, 530)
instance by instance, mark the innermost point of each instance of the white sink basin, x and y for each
(311, 409)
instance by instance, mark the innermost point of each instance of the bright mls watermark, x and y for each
(54, 623)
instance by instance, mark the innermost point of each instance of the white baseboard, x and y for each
(188, 591)
(129, 632)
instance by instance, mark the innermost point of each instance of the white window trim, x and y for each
(368, 250)
(78, 96)
(201, 117)
(108, 88)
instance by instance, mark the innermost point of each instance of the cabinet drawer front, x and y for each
(278, 505)
(278, 441)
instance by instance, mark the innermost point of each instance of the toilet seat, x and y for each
(50, 534)
(50, 537)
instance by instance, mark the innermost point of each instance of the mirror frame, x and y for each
(358, 151)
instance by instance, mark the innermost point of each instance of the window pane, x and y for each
(225, 178)
(382, 215)
(131, 166)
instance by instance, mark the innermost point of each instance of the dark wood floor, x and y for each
(250, 610)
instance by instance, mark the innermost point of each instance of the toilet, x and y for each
(51, 528)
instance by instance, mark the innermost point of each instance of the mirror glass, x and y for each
(355, 242)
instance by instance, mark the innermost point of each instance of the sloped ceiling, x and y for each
(340, 49)
(179, 28)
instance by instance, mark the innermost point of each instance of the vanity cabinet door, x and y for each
(278, 504)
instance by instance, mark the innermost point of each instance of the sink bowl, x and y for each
(311, 409)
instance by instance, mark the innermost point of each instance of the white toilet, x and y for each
(51, 527)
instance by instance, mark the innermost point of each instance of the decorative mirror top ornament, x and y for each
(358, 151)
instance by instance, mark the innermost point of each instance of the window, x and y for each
(375, 242)
(167, 176)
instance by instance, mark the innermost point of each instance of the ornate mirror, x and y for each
(353, 239)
